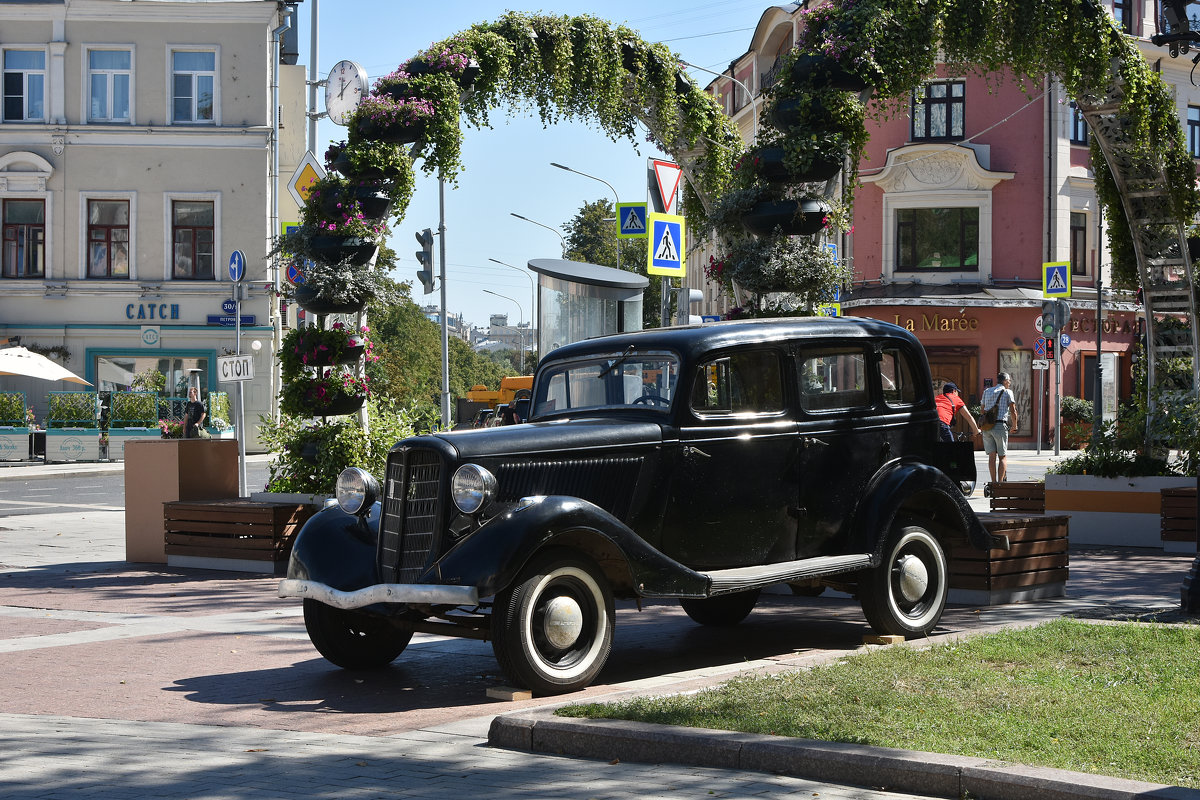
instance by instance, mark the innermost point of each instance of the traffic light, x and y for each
(1049, 313)
(425, 259)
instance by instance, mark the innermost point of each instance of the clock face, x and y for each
(346, 85)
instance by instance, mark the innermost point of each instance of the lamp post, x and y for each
(746, 89)
(616, 208)
(520, 333)
(533, 320)
(561, 240)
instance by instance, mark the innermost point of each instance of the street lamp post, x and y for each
(561, 240)
(616, 208)
(520, 333)
(533, 320)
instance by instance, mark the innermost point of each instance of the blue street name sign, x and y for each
(237, 265)
(229, 320)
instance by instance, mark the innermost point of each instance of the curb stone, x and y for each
(930, 774)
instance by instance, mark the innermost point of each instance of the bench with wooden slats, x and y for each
(1179, 515)
(1018, 497)
(1038, 557)
(233, 529)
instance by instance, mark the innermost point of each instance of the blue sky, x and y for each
(507, 169)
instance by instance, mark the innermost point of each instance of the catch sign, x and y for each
(235, 368)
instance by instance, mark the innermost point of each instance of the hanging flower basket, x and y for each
(336, 249)
(373, 203)
(769, 162)
(392, 132)
(307, 298)
(342, 164)
(334, 406)
(792, 217)
(809, 112)
(821, 71)
(329, 396)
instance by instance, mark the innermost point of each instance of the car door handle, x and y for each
(688, 450)
(811, 440)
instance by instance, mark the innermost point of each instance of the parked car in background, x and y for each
(700, 463)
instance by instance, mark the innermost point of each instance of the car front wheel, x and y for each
(906, 593)
(552, 629)
(352, 639)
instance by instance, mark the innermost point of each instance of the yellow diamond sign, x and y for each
(309, 171)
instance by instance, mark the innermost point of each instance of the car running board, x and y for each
(724, 581)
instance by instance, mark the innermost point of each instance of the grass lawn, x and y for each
(1120, 700)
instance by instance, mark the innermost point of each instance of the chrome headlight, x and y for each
(357, 490)
(472, 487)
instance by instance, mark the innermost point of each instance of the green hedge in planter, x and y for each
(12, 409)
(219, 414)
(133, 410)
(73, 410)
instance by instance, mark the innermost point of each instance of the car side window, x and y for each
(896, 374)
(743, 383)
(833, 378)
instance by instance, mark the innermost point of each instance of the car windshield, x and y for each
(610, 380)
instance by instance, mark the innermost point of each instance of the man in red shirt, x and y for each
(948, 405)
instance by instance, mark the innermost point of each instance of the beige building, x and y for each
(136, 154)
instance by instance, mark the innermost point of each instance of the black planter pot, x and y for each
(822, 70)
(335, 249)
(306, 297)
(785, 114)
(630, 57)
(393, 134)
(374, 203)
(792, 217)
(335, 406)
(349, 355)
(342, 165)
(769, 163)
(469, 76)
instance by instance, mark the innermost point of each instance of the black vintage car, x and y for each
(700, 463)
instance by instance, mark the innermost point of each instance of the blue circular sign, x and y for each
(1064, 340)
(295, 274)
(237, 265)
(229, 306)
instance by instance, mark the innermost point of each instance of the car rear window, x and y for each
(834, 378)
(741, 383)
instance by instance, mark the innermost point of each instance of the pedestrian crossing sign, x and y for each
(665, 245)
(632, 220)
(1056, 279)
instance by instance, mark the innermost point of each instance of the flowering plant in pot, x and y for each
(311, 346)
(332, 393)
(388, 119)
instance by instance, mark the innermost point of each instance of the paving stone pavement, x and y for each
(152, 754)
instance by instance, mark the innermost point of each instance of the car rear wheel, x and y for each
(352, 639)
(552, 629)
(723, 610)
(906, 594)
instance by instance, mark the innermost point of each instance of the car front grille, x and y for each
(411, 512)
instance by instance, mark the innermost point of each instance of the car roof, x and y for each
(693, 340)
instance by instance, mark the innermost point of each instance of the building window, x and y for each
(194, 85)
(24, 239)
(937, 110)
(1078, 243)
(192, 235)
(1193, 131)
(109, 76)
(24, 85)
(108, 238)
(1123, 14)
(937, 239)
(1079, 128)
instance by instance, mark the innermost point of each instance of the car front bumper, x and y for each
(406, 593)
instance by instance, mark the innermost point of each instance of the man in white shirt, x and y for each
(995, 439)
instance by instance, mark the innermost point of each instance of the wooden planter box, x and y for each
(239, 535)
(1036, 566)
(1178, 519)
(1018, 497)
(1125, 512)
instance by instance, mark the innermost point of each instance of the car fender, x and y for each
(491, 556)
(942, 502)
(337, 549)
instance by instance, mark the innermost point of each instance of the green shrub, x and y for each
(133, 410)
(72, 410)
(218, 411)
(1076, 409)
(12, 409)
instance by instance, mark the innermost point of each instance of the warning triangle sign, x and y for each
(666, 251)
(666, 180)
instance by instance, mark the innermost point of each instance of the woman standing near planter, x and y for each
(995, 438)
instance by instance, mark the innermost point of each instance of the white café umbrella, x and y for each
(19, 361)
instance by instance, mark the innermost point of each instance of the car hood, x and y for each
(544, 437)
